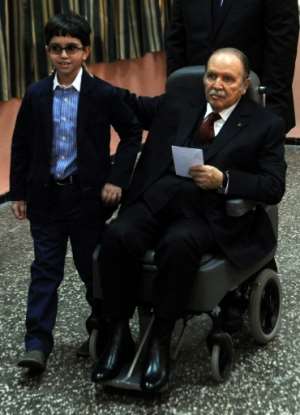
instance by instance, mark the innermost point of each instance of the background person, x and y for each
(265, 30)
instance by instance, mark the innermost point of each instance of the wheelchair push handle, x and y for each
(262, 90)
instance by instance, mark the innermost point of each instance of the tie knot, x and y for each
(212, 117)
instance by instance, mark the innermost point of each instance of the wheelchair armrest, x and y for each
(239, 207)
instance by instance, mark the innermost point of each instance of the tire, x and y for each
(265, 306)
(93, 344)
(221, 360)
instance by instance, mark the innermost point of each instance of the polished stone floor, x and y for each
(265, 380)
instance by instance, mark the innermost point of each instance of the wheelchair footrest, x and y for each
(125, 380)
(130, 376)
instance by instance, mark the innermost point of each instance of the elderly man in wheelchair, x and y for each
(184, 218)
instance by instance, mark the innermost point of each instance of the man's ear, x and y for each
(86, 52)
(246, 85)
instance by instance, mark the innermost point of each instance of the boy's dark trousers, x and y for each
(67, 216)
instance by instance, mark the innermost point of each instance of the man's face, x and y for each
(224, 81)
(67, 55)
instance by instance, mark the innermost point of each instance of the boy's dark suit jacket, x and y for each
(250, 146)
(99, 107)
(265, 30)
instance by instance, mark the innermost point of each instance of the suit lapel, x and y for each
(46, 106)
(205, 11)
(84, 104)
(222, 15)
(188, 120)
(231, 129)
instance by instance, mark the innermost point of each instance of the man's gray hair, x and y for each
(239, 54)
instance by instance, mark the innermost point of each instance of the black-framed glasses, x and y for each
(70, 48)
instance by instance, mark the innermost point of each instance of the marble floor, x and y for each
(264, 381)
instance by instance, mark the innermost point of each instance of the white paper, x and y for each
(186, 157)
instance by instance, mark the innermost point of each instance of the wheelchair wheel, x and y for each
(265, 306)
(222, 358)
(93, 344)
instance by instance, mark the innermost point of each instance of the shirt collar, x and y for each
(223, 114)
(75, 84)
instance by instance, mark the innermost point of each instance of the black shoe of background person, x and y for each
(92, 323)
(119, 350)
(35, 360)
(84, 349)
(156, 371)
(233, 308)
(232, 320)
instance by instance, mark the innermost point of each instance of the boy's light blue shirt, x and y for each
(64, 144)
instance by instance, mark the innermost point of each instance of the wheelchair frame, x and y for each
(258, 286)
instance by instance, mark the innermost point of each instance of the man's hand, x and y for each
(19, 209)
(207, 177)
(111, 194)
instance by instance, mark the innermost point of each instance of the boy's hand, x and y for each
(111, 194)
(207, 177)
(19, 209)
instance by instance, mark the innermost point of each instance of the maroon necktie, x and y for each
(206, 128)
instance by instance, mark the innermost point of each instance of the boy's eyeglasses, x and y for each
(70, 49)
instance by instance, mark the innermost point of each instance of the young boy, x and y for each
(61, 176)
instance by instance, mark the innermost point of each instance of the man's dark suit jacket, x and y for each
(265, 30)
(250, 146)
(99, 107)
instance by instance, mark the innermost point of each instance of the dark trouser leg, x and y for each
(124, 244)
(119, 350)
(86, 225)
(178, 257)
(83, 242)
(50, 242)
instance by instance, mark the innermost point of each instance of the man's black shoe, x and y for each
(34, 360)
(156, 371)
(119, 350)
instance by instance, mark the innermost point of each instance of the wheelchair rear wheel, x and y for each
(265, 306)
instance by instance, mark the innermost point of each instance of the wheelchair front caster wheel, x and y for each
(93, 341)
(265, 306)
(222, 357)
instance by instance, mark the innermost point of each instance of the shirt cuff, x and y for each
(223, 189)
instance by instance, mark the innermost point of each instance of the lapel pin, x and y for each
(239, 124)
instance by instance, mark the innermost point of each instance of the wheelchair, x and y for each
(258, 287)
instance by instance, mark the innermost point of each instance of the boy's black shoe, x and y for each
(34, 360)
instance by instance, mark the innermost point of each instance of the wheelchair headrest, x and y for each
(187, 83)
